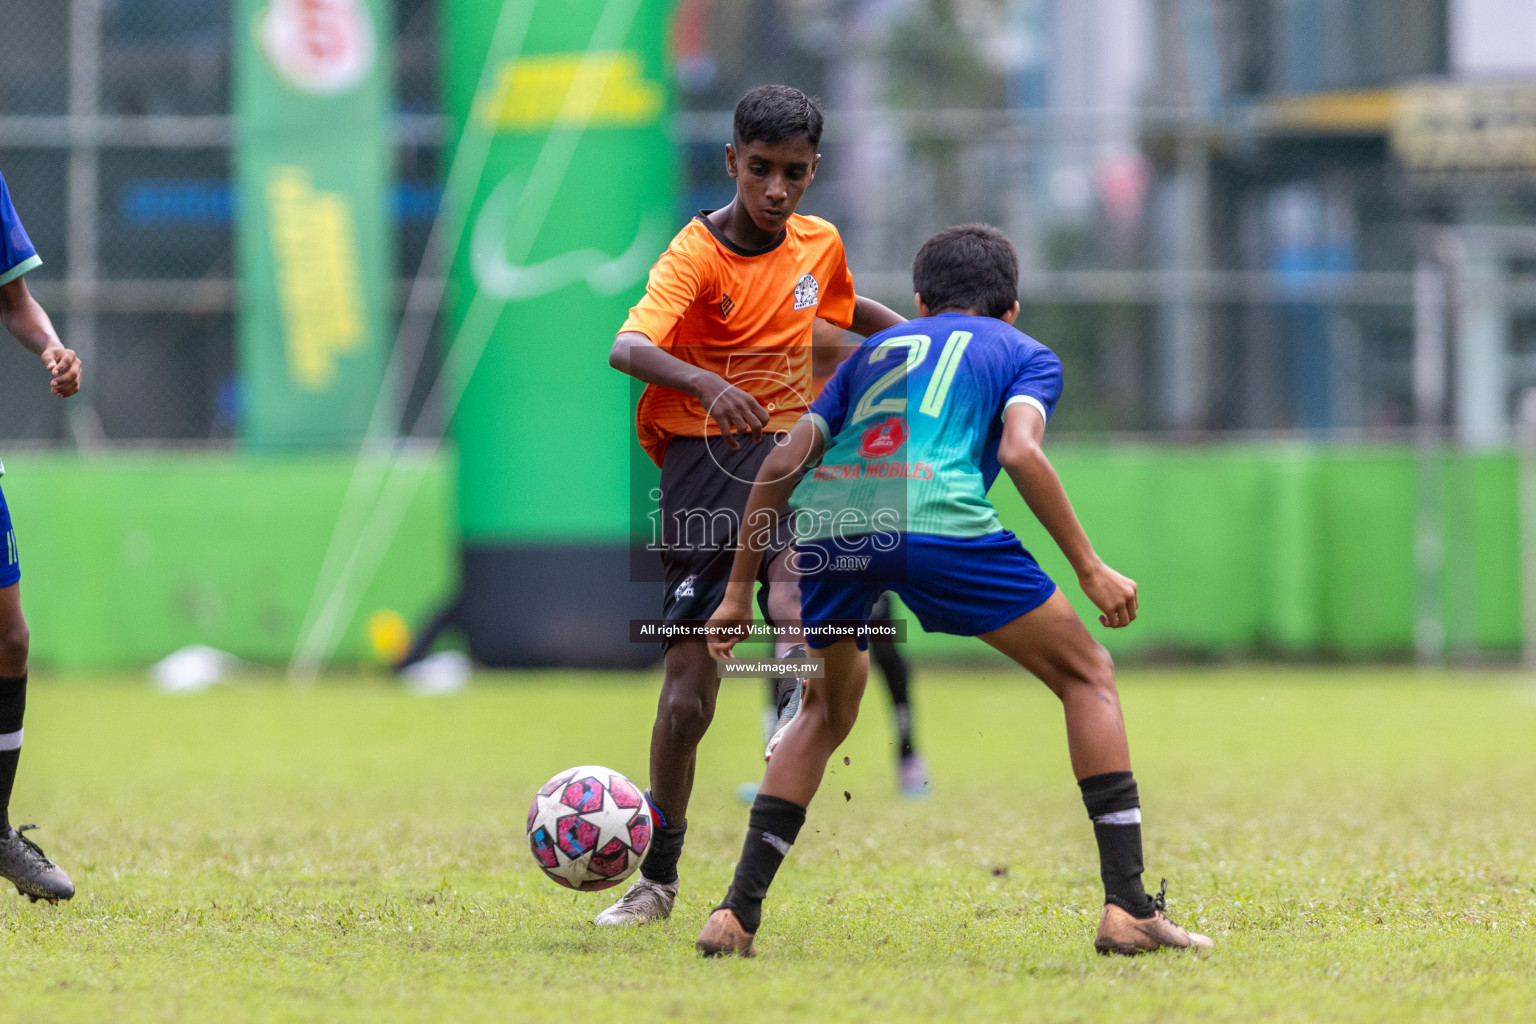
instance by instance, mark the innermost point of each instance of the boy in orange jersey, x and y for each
(723, 339)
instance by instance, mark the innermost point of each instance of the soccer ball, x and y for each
(589, 828)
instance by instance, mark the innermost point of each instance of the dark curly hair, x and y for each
(774, 113)
(972, 266)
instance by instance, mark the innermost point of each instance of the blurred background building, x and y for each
(1221, 204)
(1238, 219)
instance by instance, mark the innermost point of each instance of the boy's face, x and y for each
(771, 177)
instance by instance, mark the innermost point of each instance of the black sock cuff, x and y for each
(784, 688)
(749, 912)
(666, 849)
(1140, 910)
(777, 816)
(13, 703)
(1109, 792)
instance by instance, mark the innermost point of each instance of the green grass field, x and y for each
(1362, 845)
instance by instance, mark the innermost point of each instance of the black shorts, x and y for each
(704, 488)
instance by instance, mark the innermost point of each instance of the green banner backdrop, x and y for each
(1240, 550)
(312, 168)
(562, 184)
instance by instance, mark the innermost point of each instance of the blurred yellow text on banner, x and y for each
(312, 168)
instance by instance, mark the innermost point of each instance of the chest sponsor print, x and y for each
(883, 438)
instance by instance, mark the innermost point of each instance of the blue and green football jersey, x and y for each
(912, 422)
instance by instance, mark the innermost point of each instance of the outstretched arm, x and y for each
(869, 317)
(1032, 473)
(28, 323)
(776, 480)
(732, 408)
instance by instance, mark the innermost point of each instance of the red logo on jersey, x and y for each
(883, 438)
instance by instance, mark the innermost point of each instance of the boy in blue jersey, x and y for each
(902, 447)
(21, 861)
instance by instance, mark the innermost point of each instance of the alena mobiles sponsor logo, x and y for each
(881, 470)
(322, 47)
(883, 438)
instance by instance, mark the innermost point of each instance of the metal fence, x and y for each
(1195, 272)
(115, 137)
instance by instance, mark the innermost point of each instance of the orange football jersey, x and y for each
(743, 314)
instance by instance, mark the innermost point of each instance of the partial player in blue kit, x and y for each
(888, 474)
(21, 861)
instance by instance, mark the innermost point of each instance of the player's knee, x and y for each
(832, 719)
(840, 720)
(1101, 667)
(687, 715)
(784, 603)
(1092, 668)
(15, 640)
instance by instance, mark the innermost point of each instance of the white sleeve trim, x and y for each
(1028, 400)
(821, 425)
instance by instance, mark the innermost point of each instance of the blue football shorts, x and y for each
(10, 566)
(961, 585)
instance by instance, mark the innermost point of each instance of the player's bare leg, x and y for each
(1054, 645)
(830, 708)
(827, 714)
(22, 862)
(683, 714)
(786, 692)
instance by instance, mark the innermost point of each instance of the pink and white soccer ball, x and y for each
(589, 828)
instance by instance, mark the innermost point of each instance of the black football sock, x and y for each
(13, 705)
(771, 831)
(893, 668)
(1115, 808)
(660, 864)
(783, 690)
(904, 730)
(784, 686)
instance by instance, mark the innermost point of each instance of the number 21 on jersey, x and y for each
(916, 346)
